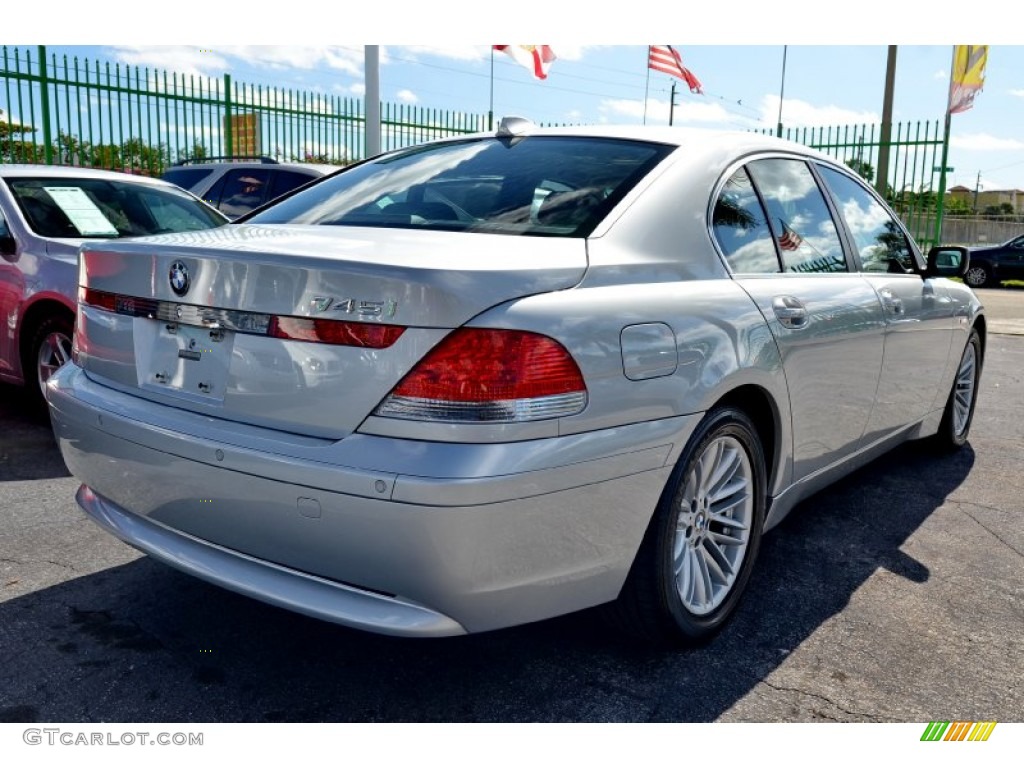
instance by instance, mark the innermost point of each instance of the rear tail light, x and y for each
(487, 375)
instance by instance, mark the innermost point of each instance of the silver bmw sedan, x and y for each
(489, 380)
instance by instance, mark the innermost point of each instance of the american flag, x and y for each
(665, 58)
(790, 240)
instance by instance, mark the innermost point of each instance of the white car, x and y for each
(46, 213)
(489, 380)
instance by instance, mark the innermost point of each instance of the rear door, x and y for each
(784, 248)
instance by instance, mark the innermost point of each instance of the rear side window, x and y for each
(286, 181)
(186, 178)
(880, 240)
(243, 190)
(539, 185)
(741, 228)
(798, 215)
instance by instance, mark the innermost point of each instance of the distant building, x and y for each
(989, 197)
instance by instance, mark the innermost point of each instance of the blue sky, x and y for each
(834, 69)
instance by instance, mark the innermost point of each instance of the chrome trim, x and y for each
(523, 409)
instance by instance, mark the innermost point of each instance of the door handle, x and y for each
(790, 312)
(891, 301)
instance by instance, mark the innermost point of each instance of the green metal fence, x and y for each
(72, 111)
(67, 111)
(915, 160)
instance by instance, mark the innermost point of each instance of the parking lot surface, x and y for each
(896, 595)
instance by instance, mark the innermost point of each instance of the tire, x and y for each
(692, 568)
(955, 426)
(978, 275)
(48, 349)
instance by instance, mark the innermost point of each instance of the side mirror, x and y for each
(948, 261)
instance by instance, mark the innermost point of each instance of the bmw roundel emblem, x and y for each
(180, 281)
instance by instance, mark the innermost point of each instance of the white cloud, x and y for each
(180, 59)
(454, 52)
(983, 142)
(406, 96)
(799, 113)
(213, 61)
(1017, 92)
(690, 112)
(942, 74)
(563, 52)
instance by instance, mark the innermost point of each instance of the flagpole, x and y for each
(490, 108)
(647, 84)
(782, 90)
(940, 198)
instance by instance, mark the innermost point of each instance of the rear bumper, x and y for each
(275, 584)
(396, 536)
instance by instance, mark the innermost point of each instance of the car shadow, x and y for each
(28, 450)
(143, 643)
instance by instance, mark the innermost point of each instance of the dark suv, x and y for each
(236, 186)
(990, 266)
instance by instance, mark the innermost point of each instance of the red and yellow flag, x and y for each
(536, 58)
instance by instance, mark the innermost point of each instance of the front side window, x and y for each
(880, 240)
(83, 207)
(534, 185)
(798, 215)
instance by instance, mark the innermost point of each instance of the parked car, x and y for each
(46, 213)
(489, 380)
(992, 265)
(236, 186)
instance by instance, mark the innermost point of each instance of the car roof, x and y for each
(70, 171)
(696, 139)
(320, 168)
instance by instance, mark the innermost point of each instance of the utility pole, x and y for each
(977, 186)
(672, 103)
(371, 65)
(882, 175)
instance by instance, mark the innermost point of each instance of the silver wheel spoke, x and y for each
(53, 353)
(717, 561)
(963, 396)
(726, 539)
(712, 532)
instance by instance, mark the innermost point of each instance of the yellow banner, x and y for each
(968, 76)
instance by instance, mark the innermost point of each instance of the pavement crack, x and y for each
(826, 699)
(961, 505)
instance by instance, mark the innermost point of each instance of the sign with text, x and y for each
(245, 133)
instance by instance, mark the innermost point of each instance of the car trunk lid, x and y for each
(232, 322)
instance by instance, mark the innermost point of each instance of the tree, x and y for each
(862, 168)
(14, 150)
(197, 154)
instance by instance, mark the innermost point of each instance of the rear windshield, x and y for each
(77, 207)
(541, 185)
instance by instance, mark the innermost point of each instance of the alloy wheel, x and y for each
(713, 525)
(963, 393)
(54, 351)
